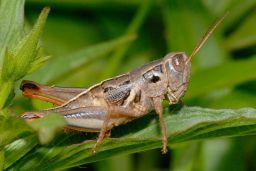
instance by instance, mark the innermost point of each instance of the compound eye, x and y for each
(178, 62)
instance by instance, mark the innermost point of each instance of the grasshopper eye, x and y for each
(178, 62)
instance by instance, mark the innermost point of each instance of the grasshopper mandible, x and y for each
(120, 99)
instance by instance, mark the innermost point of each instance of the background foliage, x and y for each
(89, 41)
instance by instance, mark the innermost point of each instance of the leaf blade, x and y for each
(184, 125)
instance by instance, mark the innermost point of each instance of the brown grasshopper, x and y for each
(120, 99)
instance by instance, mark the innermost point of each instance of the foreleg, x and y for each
(159, 110)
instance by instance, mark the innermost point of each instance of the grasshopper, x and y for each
(120, 99)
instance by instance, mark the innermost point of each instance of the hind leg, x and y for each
(86, 119)
(90, 119)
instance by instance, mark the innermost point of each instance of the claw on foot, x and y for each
(94, 149)
(164, 150)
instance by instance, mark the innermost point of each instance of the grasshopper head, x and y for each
(178, 73)
(178, 66)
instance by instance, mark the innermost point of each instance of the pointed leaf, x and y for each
(25, 51)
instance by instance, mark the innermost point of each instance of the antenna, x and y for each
(206, 36)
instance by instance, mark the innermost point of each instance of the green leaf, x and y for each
(66, 64)
(133, 28)
(8, 67)
(38, 64)
(231, 98)
(184, 125)
(88, 3)
(188, 157)
(244, 36)
(238, 11)
(39, 60)
(2, 159)
(11, 21)
(19, 148)
(223, 76)
(11, 128)
(25, 51)
(17, 138)
(117, 163)
(48, 126)
(19, 60)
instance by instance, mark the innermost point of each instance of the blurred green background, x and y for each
(223, 72)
